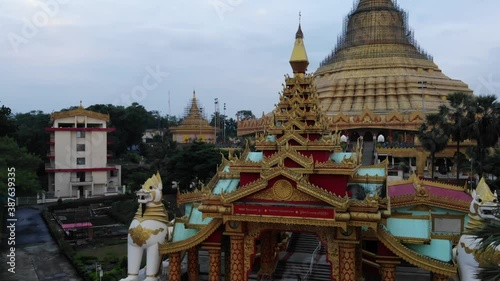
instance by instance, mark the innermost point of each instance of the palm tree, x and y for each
(457, 120)
(433, 136)
(488, 236)
(485, 128)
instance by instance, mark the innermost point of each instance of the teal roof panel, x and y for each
(225, 186)
(255, 156)
(339, 156)
(439, 249)
(409, 228)
(182, 233)
(371, 172)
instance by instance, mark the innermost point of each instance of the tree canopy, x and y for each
(7, 125)
(433, 136)
(25, 165)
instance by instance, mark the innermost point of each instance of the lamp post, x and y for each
(471, 160)
(98, 271)
(423, 85)
(216, 103)
(224, 124)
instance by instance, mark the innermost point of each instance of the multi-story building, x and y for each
(78, 157)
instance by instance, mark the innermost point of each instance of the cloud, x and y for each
(98, 50)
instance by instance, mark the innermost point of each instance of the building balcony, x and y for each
(71, 129)
(86, 179)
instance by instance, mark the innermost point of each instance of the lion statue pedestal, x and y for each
(148, 229)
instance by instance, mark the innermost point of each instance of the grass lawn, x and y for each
(118, 251)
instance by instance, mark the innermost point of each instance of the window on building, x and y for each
(80, 134)
(94, 125)
(80, 161)
(447, 223)
(392, 173)
(80, 176)
(80, 125)
(80, 147)
(66, 125)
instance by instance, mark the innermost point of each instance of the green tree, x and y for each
(130, 123)
(244, 115)
(485, 129)
(7, 125)
(457, 120)
(25, 165)
(488, 236)
(433, 136)
(195, 161)
(31, 133)
(231, 128)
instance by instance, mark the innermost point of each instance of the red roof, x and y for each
(415, 191)
(67, 226)
(449, 193)
(401, 190)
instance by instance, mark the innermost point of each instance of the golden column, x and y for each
(347, 261)
(388, 268)
(174, 267)
(193, 268)
(439, 277)
(359, 263)
(214, 264)
(237, 257)
(266, 253)
(227, 262)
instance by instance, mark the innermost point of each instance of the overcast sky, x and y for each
(121, 51)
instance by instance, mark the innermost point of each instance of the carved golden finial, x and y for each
(298, 60)
(483, 192)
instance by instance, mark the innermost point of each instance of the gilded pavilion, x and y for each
(300, 179)
(379, 84)
(194, 126)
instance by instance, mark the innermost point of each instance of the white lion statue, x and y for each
(148, 229)
(483, 207)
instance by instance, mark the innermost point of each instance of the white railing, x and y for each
(311, 264)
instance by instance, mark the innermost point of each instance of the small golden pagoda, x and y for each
(194, 126)
(378, 81)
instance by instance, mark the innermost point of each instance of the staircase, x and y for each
(367, 157)
(295, 263)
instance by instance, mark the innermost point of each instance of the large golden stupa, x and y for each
(378, 65)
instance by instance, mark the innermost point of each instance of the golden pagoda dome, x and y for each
(377, 65)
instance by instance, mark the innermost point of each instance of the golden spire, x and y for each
(298, 59)
(194, 110)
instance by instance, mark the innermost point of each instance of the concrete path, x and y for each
(37, 255)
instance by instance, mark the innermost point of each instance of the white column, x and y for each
(93, 193)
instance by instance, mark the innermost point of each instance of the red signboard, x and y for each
(284, 211)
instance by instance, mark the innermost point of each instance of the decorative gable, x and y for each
(367, 116)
